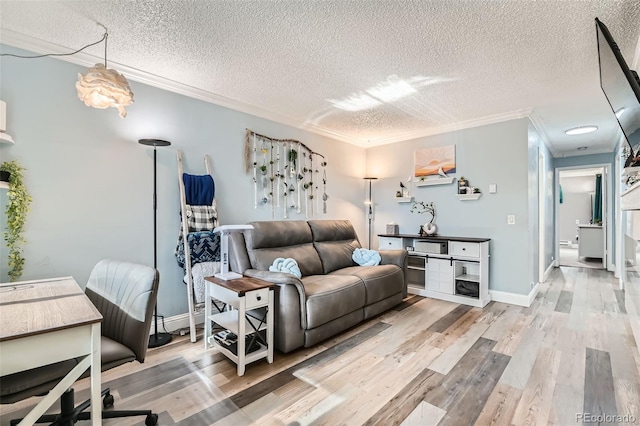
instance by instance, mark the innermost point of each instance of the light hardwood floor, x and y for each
(427, 362)
(568, 256)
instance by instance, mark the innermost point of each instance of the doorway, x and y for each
(582, 217)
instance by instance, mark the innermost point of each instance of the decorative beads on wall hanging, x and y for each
(285, 175)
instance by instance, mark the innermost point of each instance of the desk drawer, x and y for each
(390, 243)
(257, 298)
(460, 248)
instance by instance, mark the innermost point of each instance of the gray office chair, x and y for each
(125, 294)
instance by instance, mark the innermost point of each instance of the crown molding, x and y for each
(537, 123)
(32, 44)
(591, 151)
(461, 125)
(38, 46)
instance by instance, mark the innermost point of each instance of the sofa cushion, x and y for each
(288, 239)
(332, 230)
(278, 233)
(332, 296)
(335, 241)
(380, 281)
(336, 254)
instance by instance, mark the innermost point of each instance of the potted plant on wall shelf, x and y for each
(18, 201)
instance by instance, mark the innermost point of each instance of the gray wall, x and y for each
(92, 182)
(492, 154)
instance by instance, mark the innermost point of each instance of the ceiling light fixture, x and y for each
(581, 130)
(102, 88)
(620, 112)
(99, 87)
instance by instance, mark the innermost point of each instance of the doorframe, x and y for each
(542, 198)
(621, 221)
(608, 211)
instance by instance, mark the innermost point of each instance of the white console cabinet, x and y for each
(448, 268)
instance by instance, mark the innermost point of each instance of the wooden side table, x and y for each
(250, 314)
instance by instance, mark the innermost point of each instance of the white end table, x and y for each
(250, 312)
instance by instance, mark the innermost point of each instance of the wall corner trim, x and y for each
(514, 298)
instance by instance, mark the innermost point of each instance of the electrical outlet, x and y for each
(511, 219)
(577, 221)
(493, 188)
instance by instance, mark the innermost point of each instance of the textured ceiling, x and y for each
(421, 67)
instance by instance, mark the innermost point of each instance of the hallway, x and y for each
(569, 257)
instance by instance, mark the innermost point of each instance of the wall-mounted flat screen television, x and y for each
(621, 86)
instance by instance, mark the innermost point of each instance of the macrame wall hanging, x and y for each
(287, 176)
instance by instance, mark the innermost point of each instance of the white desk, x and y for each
(47, 321)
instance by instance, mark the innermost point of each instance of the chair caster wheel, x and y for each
(151, 420)
(108, 401)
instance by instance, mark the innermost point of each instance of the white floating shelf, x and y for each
(4, 185)
(5, 138)
(628, 171)
(404, 199)
(467, 197)
(435, 181)
(630, 198)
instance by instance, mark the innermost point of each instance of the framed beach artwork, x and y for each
(435, 161)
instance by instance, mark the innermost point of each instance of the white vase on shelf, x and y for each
(430, 228)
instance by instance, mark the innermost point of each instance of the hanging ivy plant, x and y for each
(18, 201)
(293, 157)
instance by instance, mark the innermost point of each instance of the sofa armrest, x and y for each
(290, 307)
(399, 258)
(281, 279)
(275, 277)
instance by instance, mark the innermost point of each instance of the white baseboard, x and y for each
(514, 298)
(176, 322)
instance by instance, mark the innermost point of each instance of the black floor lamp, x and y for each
(369, 202)
(157, 339)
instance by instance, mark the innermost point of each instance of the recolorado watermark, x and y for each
(606, 418)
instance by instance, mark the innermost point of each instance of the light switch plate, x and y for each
(511, 219)
(493, 188)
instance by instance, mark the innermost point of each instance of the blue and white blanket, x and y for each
(365, 257)
(287, 265)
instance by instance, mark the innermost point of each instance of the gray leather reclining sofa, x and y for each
(334, 293)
